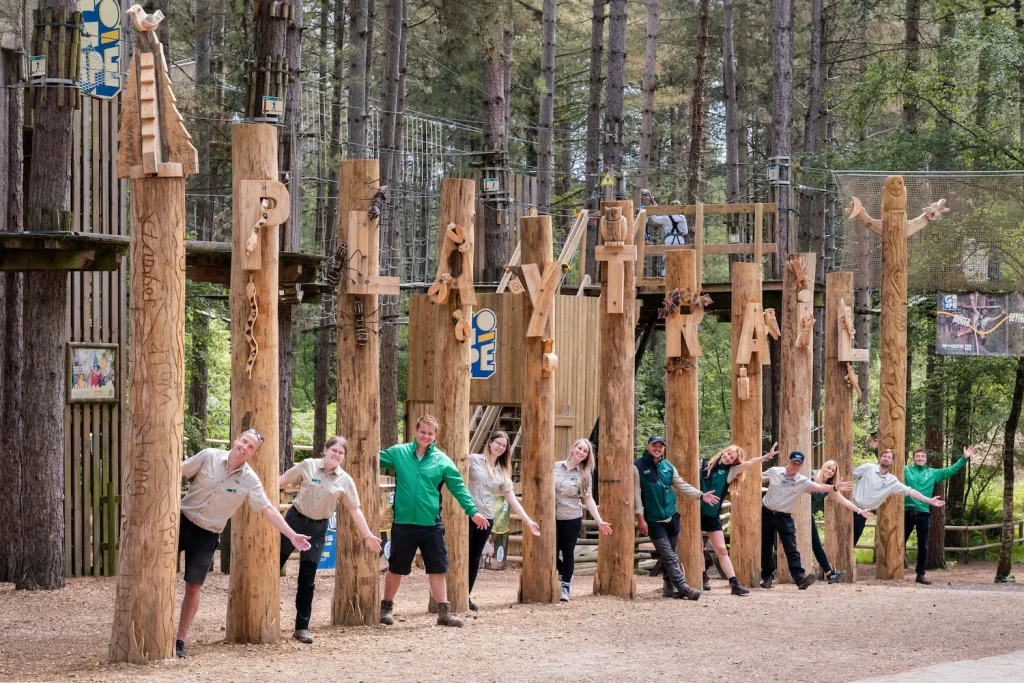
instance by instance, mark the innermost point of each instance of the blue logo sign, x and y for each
(949, 302)
(327, 558)
(101, 48)
(485, 344)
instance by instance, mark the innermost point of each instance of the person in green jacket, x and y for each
(420, 470)
(918, 515)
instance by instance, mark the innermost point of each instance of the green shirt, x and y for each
(418, 484)
(923, 479)
(717, 481)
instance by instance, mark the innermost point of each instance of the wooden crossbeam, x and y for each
(691, 209)
(662, 249)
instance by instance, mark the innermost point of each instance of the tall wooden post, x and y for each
(682, 412)
(144, 613)
(617, 448)
(745, 492)
(357, 578)
(797, 369)
(254, 593)
(539, 579)
(839, 427)
(451, 383)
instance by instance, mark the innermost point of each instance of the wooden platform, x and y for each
(211, 262)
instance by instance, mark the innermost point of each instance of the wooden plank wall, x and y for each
(95, 436)
(576, 344)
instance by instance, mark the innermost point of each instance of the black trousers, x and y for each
(780, 523)
(567, 531)
(477, 541)
(316, 529)
(819, 550)
(858, 528)
(922, 521)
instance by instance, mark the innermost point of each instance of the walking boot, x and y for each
(805, 583)
(179, 649)
(668, 590)
(768, 583)
(707, 581)
(445, 617)
(737, 588)
(303, 636)
(685, 592)
(472, 606)
(387, 608)
(922, 580)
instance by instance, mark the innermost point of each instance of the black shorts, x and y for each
(406, 538)
(709, 523)
(316, 529)
(198, 544)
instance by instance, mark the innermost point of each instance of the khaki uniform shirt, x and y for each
(319, 490)
(483, 484)
(571, 490)
(783, 492)
(215, 492)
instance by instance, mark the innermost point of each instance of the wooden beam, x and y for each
(839, 418)
(698, 241)
(709, 209)
(254, 602)
(539, 580)
(662, 249)
(615, 476)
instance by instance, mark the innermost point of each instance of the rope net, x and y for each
(977, 246)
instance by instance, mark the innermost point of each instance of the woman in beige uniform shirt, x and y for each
(322, 483)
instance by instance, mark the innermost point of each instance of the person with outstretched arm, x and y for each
(785, 486)
(574, 490)
(875, 483)
(655, 482)
(917, 514)
(420, 471)
(828, 474)
(221, 482)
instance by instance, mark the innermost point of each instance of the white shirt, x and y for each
(873, 487)
(783, 492)
(483, 483)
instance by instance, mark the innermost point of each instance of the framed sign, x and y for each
(92, 373)
(485, 344)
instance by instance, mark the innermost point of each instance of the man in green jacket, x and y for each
(918, 515)
(420, 470)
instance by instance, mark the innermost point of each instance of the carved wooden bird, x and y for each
(144, 21)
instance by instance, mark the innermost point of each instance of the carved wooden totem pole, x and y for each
(154, 150)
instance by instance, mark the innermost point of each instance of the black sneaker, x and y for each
(738, 589)
(179, 649)
(923, 581)
(768, 583)
(806, 582)
(836, 577)
(472, 606)
(707, 582)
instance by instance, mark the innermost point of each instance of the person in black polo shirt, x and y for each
(655, 482)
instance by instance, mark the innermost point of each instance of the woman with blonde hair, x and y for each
(715, 476)
(573, 491)
(490, 473)
(827, 475)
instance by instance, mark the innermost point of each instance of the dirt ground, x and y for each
(828, 633)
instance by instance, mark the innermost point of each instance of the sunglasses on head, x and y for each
(252, 431)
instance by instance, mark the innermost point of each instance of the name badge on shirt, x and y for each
(232, 491)
(315, 481)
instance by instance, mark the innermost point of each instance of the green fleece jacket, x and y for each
(418, 484)
(923, 479)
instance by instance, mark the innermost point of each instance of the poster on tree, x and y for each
(976, 324)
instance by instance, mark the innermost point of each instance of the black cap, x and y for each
(657, 438)
(797, 456)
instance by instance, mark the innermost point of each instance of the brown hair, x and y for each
(718, 456)
(428, 420)
(504, 462)
(336, 439)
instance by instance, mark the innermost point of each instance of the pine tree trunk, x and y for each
(732, 113)
(545, 134)
(934, 440)
(862, 299)
(983, 98)
(592, 164)
(12, 339)
(956, 489)
(781, 142)
(1005, 567)
(356, 77)
(700, 86)
(649, 85)
(912, 42)
(497, 66)
(613, 116)
(270, 46)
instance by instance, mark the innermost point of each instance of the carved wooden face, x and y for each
(894, 196)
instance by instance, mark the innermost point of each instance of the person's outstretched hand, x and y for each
(534, 527)
(605, 528)
(300, 542)
(480, 521)
(373, 543)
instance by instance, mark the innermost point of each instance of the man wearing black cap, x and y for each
(785, 486)
(654, 502)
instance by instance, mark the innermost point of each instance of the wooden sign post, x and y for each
(253, 592)
(749, 353)
(683, 313)
(539, 580)
(451, 366)
(892, 400)
(795, 412)
(839, 418)
(616, 451)
(143, 628)
(357, 577)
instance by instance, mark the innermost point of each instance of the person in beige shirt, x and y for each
(322, 483)
(221, 482)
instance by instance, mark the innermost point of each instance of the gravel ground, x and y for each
(845, 632)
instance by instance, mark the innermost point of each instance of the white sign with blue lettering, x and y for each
(101, 48)
(328, 558)
(483, 356)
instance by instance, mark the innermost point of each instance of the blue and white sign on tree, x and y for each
(101, 48)
(483, 361)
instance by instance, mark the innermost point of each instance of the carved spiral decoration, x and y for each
(254, 310)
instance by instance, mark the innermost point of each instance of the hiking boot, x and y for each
(707, 582)
(472, 606)
(686, 592)
(923, 581)
(806, 582)
(387, 607)
(668, 590)
(836, 577)
(445, 617)
(768, 583)
(302, 635)
(566, 591)
(737, 588)
(179, 649)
